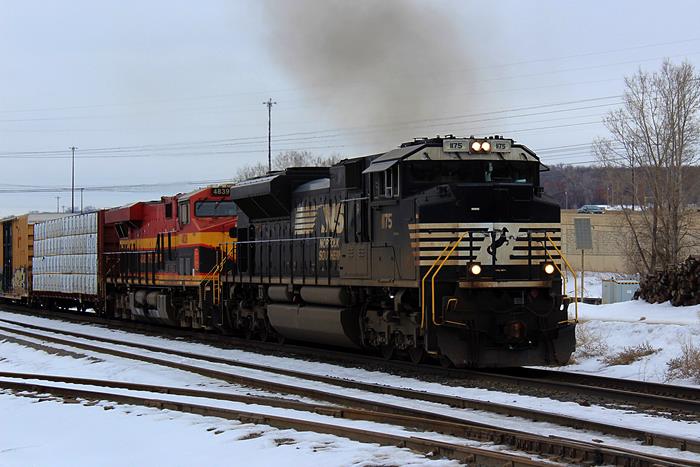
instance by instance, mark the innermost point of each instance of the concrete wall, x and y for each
(610, 233)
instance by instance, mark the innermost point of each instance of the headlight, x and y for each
(486, 146)
(475, 269)
(549, 268)
(476, 146)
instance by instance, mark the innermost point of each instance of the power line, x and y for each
(316, 134)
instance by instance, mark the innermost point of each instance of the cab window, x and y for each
(386, 183)
(214, 208)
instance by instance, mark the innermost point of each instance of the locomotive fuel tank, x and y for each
(339, 296)
(319, 324)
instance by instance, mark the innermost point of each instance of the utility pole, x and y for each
(72, 179)
(81, 200)
(269, 103)
(58, 198)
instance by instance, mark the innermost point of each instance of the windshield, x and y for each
(214, 208)
(424, 174)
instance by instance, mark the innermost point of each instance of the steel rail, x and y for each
(426, 446)
(555, 448)
(626, 392)
(650, 438)
(669, 395)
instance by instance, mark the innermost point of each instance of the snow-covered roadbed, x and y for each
(48, 432)
(638, 340)
(603, 415)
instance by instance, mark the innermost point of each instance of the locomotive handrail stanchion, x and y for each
(328, 260)
(422, 285)
(529, 254)
(291, 263)
(317, 251)
(432, 279)
(573, 273)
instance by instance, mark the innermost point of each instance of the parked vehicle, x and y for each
(590, 209)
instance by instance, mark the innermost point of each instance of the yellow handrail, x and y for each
(573, 273)
(432, 278)
(212, 278)
(422, 284)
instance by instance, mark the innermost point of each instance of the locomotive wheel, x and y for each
(387, 351)
(416, 354)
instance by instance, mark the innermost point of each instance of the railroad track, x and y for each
(658, 395)
(677, 401)
(430, 447)
(362, 402)
(555, 450)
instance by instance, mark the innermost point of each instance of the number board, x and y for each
(456, 145)
(500, 145)
(221, 191)
(584, 235)
(464, 145)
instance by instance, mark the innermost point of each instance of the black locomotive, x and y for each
(443, 248)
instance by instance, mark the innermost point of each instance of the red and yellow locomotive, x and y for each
(169, 254)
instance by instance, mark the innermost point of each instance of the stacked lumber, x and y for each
(678, 284)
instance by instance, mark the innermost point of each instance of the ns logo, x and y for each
(330, 219)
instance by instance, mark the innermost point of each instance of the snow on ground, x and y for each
(57, 434)
(606, 330)
(639, 311)
(37, 434)
(620, 417)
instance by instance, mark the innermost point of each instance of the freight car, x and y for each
(444, 247)
(17, 240)
(68, 261)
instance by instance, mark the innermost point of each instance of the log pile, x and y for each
(678, 284)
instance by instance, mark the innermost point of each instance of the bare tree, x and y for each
(654, 136)
(284, 160)
(250, 171)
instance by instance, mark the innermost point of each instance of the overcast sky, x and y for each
(161, 95)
